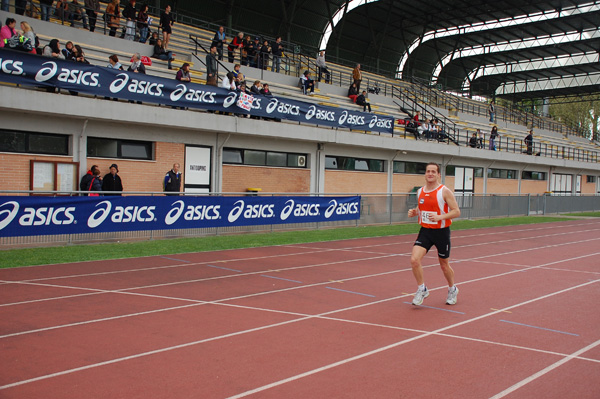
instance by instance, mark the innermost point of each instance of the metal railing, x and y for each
(376, 209)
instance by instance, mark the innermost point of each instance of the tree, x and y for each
(580, 113)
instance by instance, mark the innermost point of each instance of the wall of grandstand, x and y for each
(170, 130)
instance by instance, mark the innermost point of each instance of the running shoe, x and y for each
(452, 296)
(420, 296)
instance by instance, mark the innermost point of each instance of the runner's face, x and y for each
(431, 174)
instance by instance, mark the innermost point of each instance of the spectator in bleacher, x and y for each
(218, 41)
(92, 8)
(112, 181)
(67, 52)
(255, 89)
(45, 8)
(238, 75)
(62, 10)
(112, 16)
(308, 85)
(493, 135)
(143, 22)
(234, 48)
(528, 140)
(265, 91)
(166, 24)
(184, 74)
(229, 81)
(153, 38)
(137, 66)
(162, 54)
(8, 30)
(277, 50)
(28, 33)
(473, 141)
(20, 6)
(113, 62)
(76, 13)
(5, 6)
(323, 67)
(212, 67)
(263, 56)
(79, 55)
(492, 111)
(423, 130)
(352, 92)
(52, 49)
(479, 139)
(417, 116)
(252, 51)
(364, 101)
(357, 76)
(130, 20)
(411, 127)
(246, 44)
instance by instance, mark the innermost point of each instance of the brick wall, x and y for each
(351, 182)
(587, 188)
(15, 175)
(237, 179)
(534, 186)
(403, 183)
(502, 186)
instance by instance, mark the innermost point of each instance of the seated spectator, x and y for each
(265, 91)
(473, 141)
(161, 53)
(29, 34)
(153, 38)
(255, 89)
(308, 85)
(238, 75)
(353, 92)
(52, 49)
(113, 62)
(184, 74)
(137, 66)
(228, 81)
(411, 127)
(76, 13)
(79, 55)
(364, 101)
(423, 129)
(67, 52)
(8, 30)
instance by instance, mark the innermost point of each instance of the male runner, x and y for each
(436, 207)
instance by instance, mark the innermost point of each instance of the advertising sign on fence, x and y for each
(33, 70)
(29, 216)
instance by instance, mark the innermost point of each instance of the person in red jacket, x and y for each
(436, 207)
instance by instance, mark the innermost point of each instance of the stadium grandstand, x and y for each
(443, 60)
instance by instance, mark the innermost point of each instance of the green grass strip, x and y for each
(112, 250)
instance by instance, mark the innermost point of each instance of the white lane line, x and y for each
(544, 371)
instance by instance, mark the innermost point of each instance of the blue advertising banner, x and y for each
(29, 216)
(34, 70)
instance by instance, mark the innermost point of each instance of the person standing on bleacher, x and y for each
(92, 7)
(129, 15)
(166, 24)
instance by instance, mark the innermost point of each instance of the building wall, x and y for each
(533, 186)
(237, 178)
(587, 188)
(16, 171)
(503, 186)
(403, 183)
(353, 182)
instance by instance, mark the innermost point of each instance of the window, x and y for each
(263, 158)
(349, 163)
(527, 175)
(32, 142)
(451, 171)
(416, 168)
(590, 179)
(116, 148)
(502, 173)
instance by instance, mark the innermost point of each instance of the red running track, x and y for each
(319, 320)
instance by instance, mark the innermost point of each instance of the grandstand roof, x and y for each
(512, 48)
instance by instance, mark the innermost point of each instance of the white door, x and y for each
(464, 186)
(197, 172)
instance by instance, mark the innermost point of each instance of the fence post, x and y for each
(528, 204)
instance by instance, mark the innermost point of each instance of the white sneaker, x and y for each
(452, 296)
(420, 296)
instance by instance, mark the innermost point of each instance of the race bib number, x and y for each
(426, 217)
